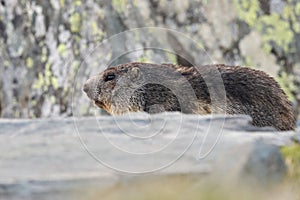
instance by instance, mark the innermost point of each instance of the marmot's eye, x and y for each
(109, 77)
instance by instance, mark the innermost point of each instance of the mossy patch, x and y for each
(119, 5)
(146, 56)
(75, 22)
(78, 3)
(275, 29)
(62, 3)
(54, 82)
(172, 57)
(297, 8)
(98, 33)
(62, 49)
(39, 82)
(6, 63)
(248, 10)
(46, 79)
(29, 62)
(286, 82)
(44, 55)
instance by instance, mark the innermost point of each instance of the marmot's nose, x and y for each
(86, 88)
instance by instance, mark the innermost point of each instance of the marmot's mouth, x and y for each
(99, 104)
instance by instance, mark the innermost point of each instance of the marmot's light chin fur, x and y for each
(154, 88)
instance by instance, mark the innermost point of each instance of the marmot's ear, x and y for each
(135, 73)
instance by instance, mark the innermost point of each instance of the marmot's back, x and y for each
(255, 93)
(134, 87)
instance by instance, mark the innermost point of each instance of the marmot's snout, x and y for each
(91, 89)
(86, 88)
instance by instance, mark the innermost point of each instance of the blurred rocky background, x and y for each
(44, 44)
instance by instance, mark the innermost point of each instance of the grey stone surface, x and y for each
(59, 157)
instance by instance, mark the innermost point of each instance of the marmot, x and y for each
(154, 88)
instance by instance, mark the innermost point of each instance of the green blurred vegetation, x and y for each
(193, 187)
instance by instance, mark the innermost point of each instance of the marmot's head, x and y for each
(113, 88)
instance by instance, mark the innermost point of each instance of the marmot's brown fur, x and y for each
(154, 88)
